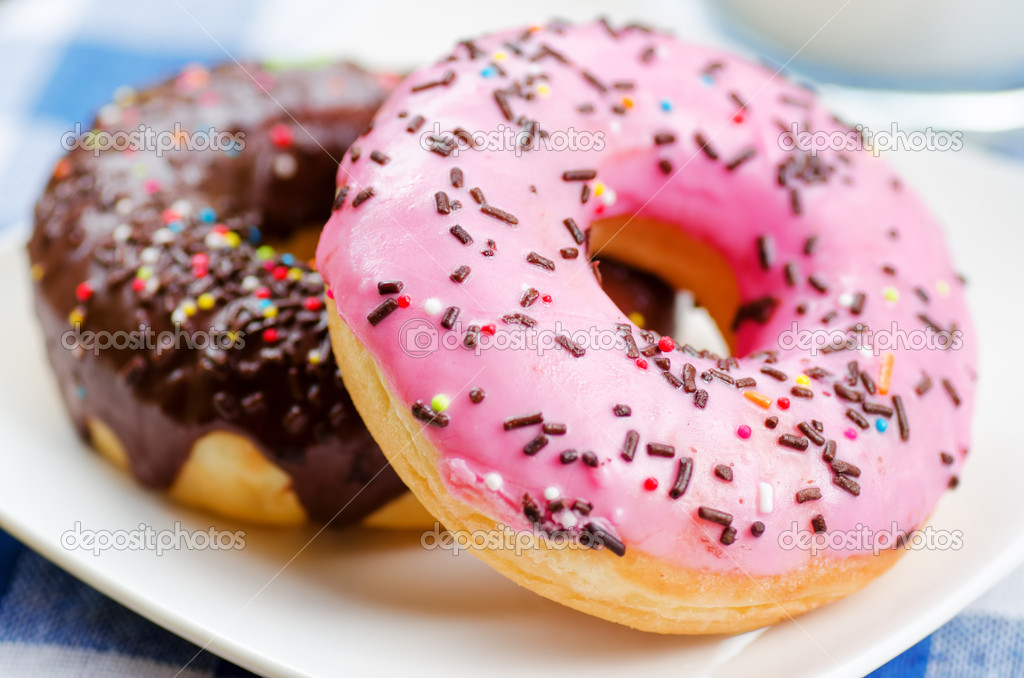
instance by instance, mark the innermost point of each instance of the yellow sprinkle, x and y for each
(543, 90)
(232, 239)
(627, 102)
(295, 273)
(803, 380)
(37, 271)
(233, 338)
(891, 294)
(313, 357)
(598, 188)
(638, 319)
(758, 398)
(942, 287)
(270, 312)
(207, 301)
(440, 402)
(190, 308)
(500, 56)
(144, 273)
(76, 317)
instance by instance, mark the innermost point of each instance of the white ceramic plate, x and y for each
(297, 603)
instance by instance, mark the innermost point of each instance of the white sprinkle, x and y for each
(285, 166)
(846, 300)
(615, 126)
(609, 197)
(551, 493)
(162, 236)
(122, 232)
(764, 497)
(250, 282)
(214, 240)
(432, 306)
(867, 352)
(179, 316)
(152, 285)
(110, 115)
(493, 481)
(182, 207)
(314, 278)
(150, 255)
(566, 519)
(124, 206)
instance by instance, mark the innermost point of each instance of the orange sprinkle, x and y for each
(62, 169)
(758, 398)
(885, 373)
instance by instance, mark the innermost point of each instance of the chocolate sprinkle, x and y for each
(339, 199)
(461, 235)
(951, 390)
(536, 445)
(390, 286)
(451, 314)
(901, 417)
(507, 217)
(829, 452)
(848, 484)
(574, 230)
(801, 392)
(847, 393)
(715, 516)
(476, 396)
(766, 251)
(662, 138)
(571, 346)
(845, 468)
(383, 311)
(700, 399)
(524, 420)
(774, 373)
(478, 195)
(757, 529)
(808, 494)
(529, 296)
(599, 537)
(857, 418)
(363, 196)
(818, 283)
(441, 201)
(541, 261)
(622, 410)
(818, 523)
(689, 378)
(665, 166)
(724, 472)
(792, 441)
(553, 429)
(428, 416)
(379, 158)
(728, 535)
(660, 450)
(744, 156)
(811, 434)
(629, 446)
(456, 177)
(579, 175)
(569, 252)
(460, 274)
(771, 422)
(568, 456)
(877, 408)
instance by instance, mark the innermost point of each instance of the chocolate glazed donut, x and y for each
(249, 420)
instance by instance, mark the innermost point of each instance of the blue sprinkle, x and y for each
(287, 259)
(881, 425)
(707, 79)
(254, 235)
(207, 215)
(666, 105)
(489, 72)
(264, 303)
(80, 392)
(176, 226)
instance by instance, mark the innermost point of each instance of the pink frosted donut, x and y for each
(658, 485)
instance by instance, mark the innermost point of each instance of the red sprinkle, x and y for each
(666, 344)
(330, 293)
(651, 484)
(262, 292)
(743, 431)
(783, 403)
(546, 298)
(281, 135)
(312, 303)
(489, 329)
(138, 284)
(83, 291)
(641, 363)
(270, 335)
(280, 273)
(404, 301)
(850, 433)
(738, 118)
(200, 260)
(169, 215)
(268, 265)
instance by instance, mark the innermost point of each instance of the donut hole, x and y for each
(708, 291)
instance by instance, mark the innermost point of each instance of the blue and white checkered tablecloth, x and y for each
(59, 61)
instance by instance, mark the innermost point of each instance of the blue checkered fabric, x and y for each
(60, 60)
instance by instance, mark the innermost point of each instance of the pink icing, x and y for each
(399, 234)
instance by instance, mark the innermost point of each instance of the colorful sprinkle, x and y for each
(850, 433)
(440, 402)
(651, 484)
(758, 399)
(885, 373)
(783, 403)
(743, 431)
(881, 425)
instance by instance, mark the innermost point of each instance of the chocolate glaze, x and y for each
(286, 395)
(104, 216)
